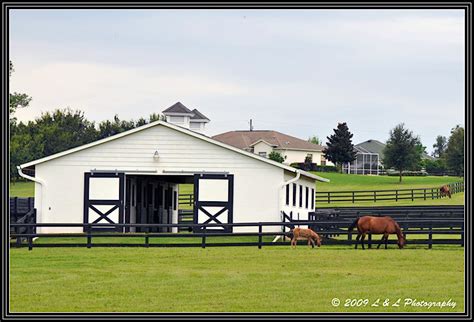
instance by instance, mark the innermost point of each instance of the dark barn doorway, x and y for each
(153, 199)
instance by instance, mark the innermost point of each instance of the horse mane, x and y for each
(354, 224)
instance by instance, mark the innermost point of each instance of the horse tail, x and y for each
(354, 224)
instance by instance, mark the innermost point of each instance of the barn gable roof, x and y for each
(179, 129)
(198, 115)
(178, 108)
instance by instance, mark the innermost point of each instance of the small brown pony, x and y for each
(377, 225)
(303, 233)
(445, 191)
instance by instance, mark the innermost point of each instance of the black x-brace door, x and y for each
(214, 201)
(104, 199)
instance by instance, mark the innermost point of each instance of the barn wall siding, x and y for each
(257, 185)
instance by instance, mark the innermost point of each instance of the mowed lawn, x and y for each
(351, 182)
(232, 279)
(22, 189)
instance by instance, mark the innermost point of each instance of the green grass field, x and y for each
(232, 279)
(22, 189)
(350, 182)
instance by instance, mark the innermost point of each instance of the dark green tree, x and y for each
(440, 146)
(339, 148)
(315, 140)
(454, 153)
(276, 156)
(51, 133)
(108, 128)
(403, 150)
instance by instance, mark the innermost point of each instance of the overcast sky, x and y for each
(295, 71)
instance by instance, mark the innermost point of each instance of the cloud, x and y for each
(102, 90)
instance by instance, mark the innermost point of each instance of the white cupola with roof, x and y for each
(179, 114)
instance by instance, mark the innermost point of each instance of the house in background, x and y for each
(263, 142)
(182, 116)
(369, 159)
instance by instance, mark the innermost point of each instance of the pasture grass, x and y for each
(350, 182)
(232, 279)
(22, 189)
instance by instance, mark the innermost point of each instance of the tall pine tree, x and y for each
(339, 148)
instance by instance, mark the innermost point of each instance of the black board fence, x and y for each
(385, 195)
(435, 227)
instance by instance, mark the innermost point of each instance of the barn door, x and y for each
(104, 199)
(213, 201)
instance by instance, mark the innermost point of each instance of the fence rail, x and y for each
(366, 195)
(451, 226)
(385, 195)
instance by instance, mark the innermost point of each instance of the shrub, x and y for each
(276, 156)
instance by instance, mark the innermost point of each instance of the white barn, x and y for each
(134, 177)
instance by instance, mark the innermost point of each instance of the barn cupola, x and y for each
(179, 114)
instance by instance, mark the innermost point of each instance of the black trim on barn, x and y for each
(294, 194)
(307, 197)
(89, 204)
(226, 205)
(301, 196)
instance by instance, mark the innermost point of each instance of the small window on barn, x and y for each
(294, 194)
(307, 197)
(312, 198)
(177, 119)
(262, 154)
(287, 194)
(301, 196)
(194, 126)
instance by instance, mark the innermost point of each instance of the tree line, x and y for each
(403, 151)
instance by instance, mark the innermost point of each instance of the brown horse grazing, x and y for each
(303, 233)
(445, 191)
(377, 225)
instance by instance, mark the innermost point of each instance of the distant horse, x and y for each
(303, 233)
(445, 191)
(377, 225)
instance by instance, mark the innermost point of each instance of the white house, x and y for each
(263, 142)
(134, 177)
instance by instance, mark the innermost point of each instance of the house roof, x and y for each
(179, 129)
(371, 146)
(245, 139)
(178, 108)
(375, 146)
(198, 115)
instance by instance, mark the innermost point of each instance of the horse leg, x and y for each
(293, 244)
(309, 242)
(362, 241)
(381, 240)
(386, 239)
(357, 240)
(312, 242)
